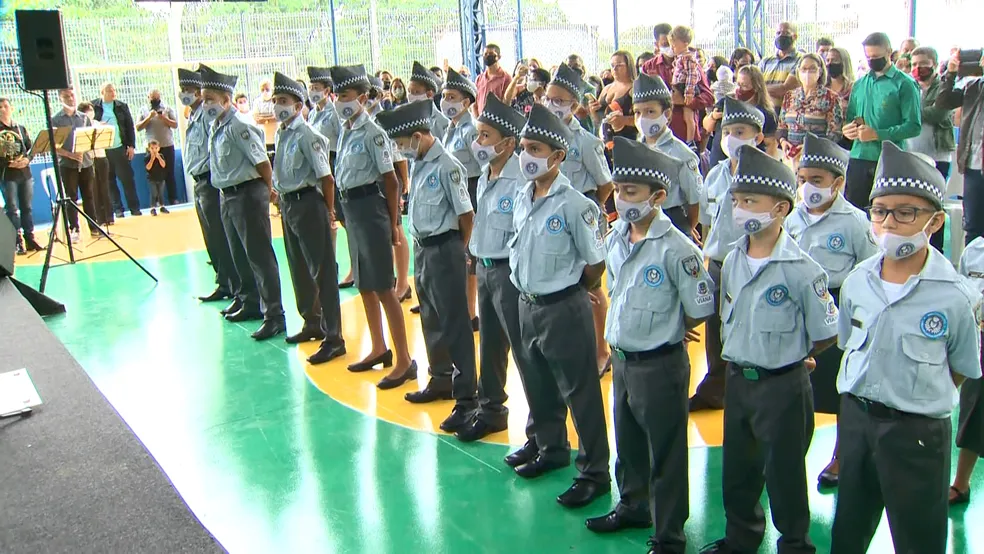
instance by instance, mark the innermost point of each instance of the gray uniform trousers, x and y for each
(711, 388)
(896, 461)
(497, 296)
(557, 350)
(651, 467)
(439, 272)
(246, 217)
(768, 426)
(209, 210)
(311, 261)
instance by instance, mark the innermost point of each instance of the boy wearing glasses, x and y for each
(908, 325)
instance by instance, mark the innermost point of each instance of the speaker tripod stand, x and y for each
(60, 216)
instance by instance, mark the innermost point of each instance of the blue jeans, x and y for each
(17, 198)
(973, 204)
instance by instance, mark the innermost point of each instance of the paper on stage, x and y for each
(17, 392)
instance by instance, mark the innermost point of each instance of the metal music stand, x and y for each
(90, 139)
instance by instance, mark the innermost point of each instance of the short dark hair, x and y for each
(239, 95)
(4, 99)
(927, 51)
(825, 41)
(662, 29)
(83, 107)
(494, 48)
(877, 39)
(542, 75)
(645, 57)
(435, 68)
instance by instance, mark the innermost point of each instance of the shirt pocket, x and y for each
(775, 326)
(644, 308)
(297, 166)
(501, 226)
(929, 372)
(835, 263)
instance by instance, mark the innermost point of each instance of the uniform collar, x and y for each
(510, 169)
(556, 187)
(436, 150)
(295, 124)
(360, 120)
(665, 136)
(574, 125)
(229, 115)
(785, 250)
(465, 120)
(937, 267)
(659, 226)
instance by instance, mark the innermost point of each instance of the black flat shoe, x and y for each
(582, 493)
(523, 455)
(269, 329)
(615, 521)
(828, 479)
(720, 546)
(415, 309)
(326, 353)
(459, 419)
(474, 323)
(539, 466)
(346, 284)
(701, 404)
(405, 296)
(431, 393)
(244, 315)
(216, 295)
(386, 358)
(478, 429)
(409, 375)
(232, 308)
(305, 335)
(959, 497)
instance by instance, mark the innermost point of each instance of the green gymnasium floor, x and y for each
(270, 464)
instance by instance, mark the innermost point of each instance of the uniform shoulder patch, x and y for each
(455, 176)
(378, 140)
(704, 295)
(820, 288)
(691, 266)
(589, 216)
(692, 164)
(600, 149)
(244, 134)
(316, 145)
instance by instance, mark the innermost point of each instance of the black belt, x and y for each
(363, 191)
(436, 240)
(241, 186)
(298, 194)
(881, 411)
(648, 354)
(550, 298)
(492, 262)
(753, 373)
(203, 177)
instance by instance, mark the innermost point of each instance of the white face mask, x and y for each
(814, 197)
(634, 211)
(316, 96)
(533, 167)
(561, 110)
(897, 247)
(347, 109)
(485, 154)
(187, 98)
(283, 113)
(416, 97)
(452, 109)
(410, 152)
(212, 109)
(730, 145)
(533, 86)
(666, 51)
(751, 222)
(653, 127)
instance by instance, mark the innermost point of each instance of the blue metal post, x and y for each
(615, 13)
(334, 31)
(912, 18)
(472, 18)
(519, 29)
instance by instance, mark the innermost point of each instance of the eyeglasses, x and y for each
(901, 215)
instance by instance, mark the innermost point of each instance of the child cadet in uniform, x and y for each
(909, 327)
(742, 124)
(652, 106)
(370, 200)
(837, 236)
(206, 196)
(440, 222)
(556, 256)
(240, 169)
(587, 170)
(659, 291)
(498, 134)
(303, 181)
(459, 95)
(424, 85)
(776, 313)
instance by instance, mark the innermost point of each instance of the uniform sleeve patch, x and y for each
(244, 135)
(463, 195)
(704, 295)
(387, 156)
(378, 140)
(692, 164)
(588, 216)
(820, 288)
(600, 149)
(691, 266)
(316, 146)
(831, 313)
(456, 177)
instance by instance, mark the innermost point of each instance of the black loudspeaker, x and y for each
(42, 49)
(8, 238)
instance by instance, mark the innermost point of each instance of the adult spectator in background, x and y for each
(970, 149)
(16, 183)
(398, 94)
(494, 79)
(606, 77)
(642, 59)
(242, 103)
(824, 44)
(740, 58)
(386, 78)
(439, 73)
(75, 169)
(751, 89)
(661, 37)
(263, 115)
(102, 211)
(780, 70)
(581, 112)
(112, 112)
(159, 122)
(810, 108)
(884, 106)
(617, 93)
(840, 79)
(908, 46)
(528, 87)
(712, 66)
(936, 138)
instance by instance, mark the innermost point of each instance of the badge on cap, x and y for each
(933, 325)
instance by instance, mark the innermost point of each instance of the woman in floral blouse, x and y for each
(812, 108)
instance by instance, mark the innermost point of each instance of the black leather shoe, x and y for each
(269, 329)
(523, 455)
(828, 479)
(474, 324)
(539, 466)
(244, 315)
(405, 296)
(459, 419)
(306, 335)
(217, 294)
(719, 546)
(478, 429)
(386, 358)
(410, 375)
(615, 521)
(346, 284)
(326, 353)
(415, 309)
(431, 393)
(582, 493)
(32, 245)
(232, 308)
(701, 404)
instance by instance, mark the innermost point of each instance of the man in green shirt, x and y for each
(884, 105)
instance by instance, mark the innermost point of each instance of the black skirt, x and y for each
(824, 377)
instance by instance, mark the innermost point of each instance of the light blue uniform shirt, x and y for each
(438, 193)
(196, 143)
(971, 263)
(302, 157)
(901, 353)
(724, 233)
(458, 140)
(364, 154)
(688, 189)
(556, 236)
(837, 241)
(109, 118)
(653, 284)
(325, 121)
(235, 147)
(772, 318)
(440, 123)
(585, 165)
(494, 213)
